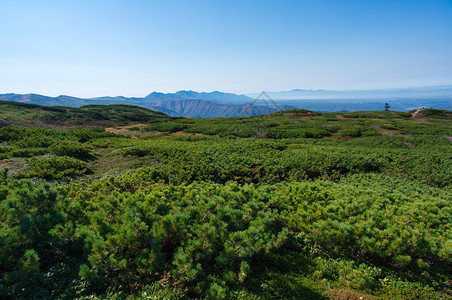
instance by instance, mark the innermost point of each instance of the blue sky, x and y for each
(91, 48)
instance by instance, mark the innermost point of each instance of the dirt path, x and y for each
(132, 130)
(416, 113)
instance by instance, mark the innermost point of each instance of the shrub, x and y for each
(72, 149)
(55, 167)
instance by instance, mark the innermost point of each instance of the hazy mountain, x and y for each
(421, 92)
(368, 104)
(195, 108)
(184, 95)
(219, 104)
(61, 100)
(215, 96)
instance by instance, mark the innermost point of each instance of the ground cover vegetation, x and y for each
(292, 205)
(16, 113)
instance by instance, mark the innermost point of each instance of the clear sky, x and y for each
(92, 48)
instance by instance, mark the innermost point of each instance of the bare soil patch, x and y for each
(132, 130)
(185, 133)
(392, 133)
(337, 138)
(13, 166)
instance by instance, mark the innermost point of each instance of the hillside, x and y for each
(290, 205)
(23, 114)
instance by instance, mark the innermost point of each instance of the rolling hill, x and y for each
(23, 114)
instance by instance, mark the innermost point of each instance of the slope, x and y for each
(13, 113)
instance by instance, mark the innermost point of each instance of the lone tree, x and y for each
(387, 106)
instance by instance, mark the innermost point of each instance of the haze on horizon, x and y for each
(130, 48)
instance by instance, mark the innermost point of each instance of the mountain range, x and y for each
(183, 103)
(418, 92)
(219, 104)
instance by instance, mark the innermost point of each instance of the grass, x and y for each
(111, 162)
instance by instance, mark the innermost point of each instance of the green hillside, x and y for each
(15, 113)
(291, 205)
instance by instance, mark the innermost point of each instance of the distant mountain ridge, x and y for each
(196, 108)
(185, 95)
(419, 92)
(194, 104)
(183, 103)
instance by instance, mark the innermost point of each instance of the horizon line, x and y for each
(241, 94)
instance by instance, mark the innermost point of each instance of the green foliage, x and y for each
(55, 167)
(72, 149)
(347, 274)
(391, 221)
(290, 132)
(296, 112)
(433, 113)
(27, 214)
(167, 127)
(193, 232)
(358, 131)
(292, 205)
(399, 289)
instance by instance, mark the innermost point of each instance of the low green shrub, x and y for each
(72, 149)
(55, 167)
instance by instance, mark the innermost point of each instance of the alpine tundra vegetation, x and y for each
(115, 202)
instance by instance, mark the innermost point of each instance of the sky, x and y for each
(90, 48)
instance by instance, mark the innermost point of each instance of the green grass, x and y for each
(112, 163)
